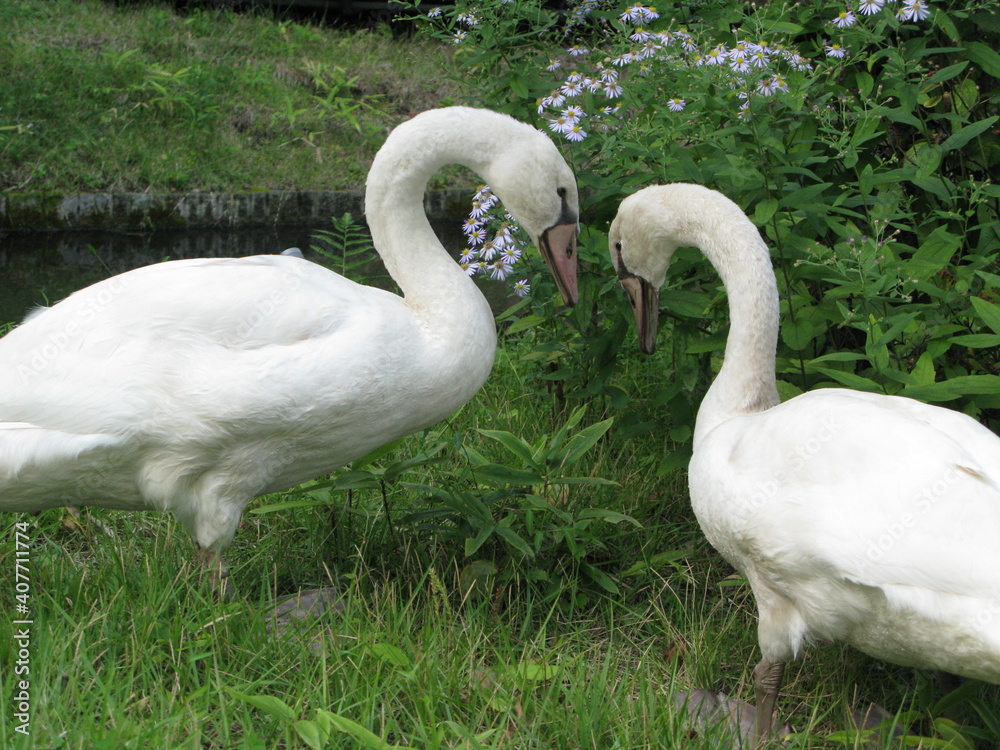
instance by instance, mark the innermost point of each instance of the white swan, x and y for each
(195, 385)
(865, 518)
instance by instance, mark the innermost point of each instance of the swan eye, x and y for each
(618, 247)
(561, 192)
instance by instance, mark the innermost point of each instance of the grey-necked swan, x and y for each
(195, 385)
(865, 518)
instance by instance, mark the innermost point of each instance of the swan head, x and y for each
(642, 240)
(651, 224)
(654, 222)
(536, 185)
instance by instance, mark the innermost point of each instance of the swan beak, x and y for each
(646, 307)
(558, 246)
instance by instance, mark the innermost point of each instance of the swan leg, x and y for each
(213, 563)
(767, 676)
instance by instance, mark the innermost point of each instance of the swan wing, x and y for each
(878, 490)
(110, 355)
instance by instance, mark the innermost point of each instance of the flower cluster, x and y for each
(749, 67)
(637, 44)
(909, 10)
(493, 254)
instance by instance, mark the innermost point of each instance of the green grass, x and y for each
(131, 650)
(103, 97)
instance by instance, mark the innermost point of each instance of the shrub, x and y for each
(863, 145)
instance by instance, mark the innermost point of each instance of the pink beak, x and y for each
(558, 246)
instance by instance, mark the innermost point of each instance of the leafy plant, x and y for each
(316, 733)
(336, 92)
(520, 519)
(865, 147)
(349, 245)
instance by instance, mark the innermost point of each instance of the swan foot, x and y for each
(767, 676)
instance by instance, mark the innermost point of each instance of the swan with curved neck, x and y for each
(195, 385)
(865, 518)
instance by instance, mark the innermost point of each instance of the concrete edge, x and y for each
(34, 212)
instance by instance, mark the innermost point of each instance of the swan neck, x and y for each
(746, 382)
(394, 208)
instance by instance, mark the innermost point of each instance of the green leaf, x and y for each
(898, 114)
(685, 303)
(968, 689)
(659, 560)
(988, 312)
(599, 481)
(522, 324)
(584, 440)
(389, 654)
(473, 544)
(952, 733)
(849, 379)
(966, 134)
(785, 27)
(676, 459)
(707, 343)
(807, 195)
(499, 475)
(475, 740)
(514, 540)
(310, 734)
(600, 578)
(807, 326)
(935, 252)
(610, 516)
(985, 57)
(512, 443)
(355, 480)
(864, 83)
(376, 454)
(764, 211)
(366, 737)
(519, 87)
(963, 385)
(533, 672)
(964, 96)
(290, 505)
(266, 703)
(976, 340)
(838, 357)
(946, 74)
(397, 469)
(542, 504)
(923, 371)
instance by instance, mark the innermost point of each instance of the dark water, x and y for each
(41, 268)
